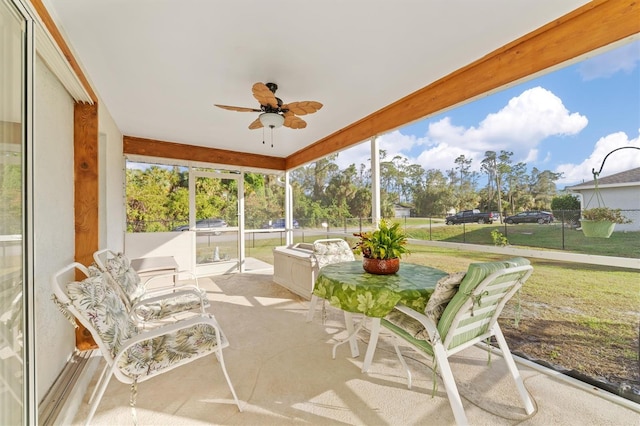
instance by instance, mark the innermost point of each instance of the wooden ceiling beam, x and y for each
(154, 148)
(590, 27)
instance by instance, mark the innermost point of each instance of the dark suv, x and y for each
(533, 216)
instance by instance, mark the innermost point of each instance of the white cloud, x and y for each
(442, 157)
(617, 162)
(359, 154)
(532, 156)
(519, 127)
(623, 59)
(394, 143)
(527, 119)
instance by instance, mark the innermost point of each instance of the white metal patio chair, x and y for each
(131, 354)
(325, 252)
(150, 304)
(469, 317)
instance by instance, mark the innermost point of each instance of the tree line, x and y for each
(157, 196)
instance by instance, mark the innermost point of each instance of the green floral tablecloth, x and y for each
(348, 287)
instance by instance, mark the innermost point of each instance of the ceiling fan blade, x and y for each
(256, 124)
(303, 108)
(236, 108)
(294, 122)
(265, 96)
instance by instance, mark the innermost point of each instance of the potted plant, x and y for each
(601, 221)
(382, 249)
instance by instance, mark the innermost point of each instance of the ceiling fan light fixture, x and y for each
(271, 119)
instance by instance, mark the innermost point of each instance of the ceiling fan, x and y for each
(274, 112)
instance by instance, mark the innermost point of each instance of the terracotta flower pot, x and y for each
(381, 266)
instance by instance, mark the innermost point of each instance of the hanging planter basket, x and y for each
(597, 228)
(600, 221)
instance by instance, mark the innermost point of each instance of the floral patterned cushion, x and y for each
(408, 324)
(101, 306)
(149, 356)
(126, 283)
(446, 288)
(328, 252)
(126, 277)
(171, 305)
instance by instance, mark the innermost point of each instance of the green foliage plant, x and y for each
(605, 214)
(498, 238)
(565, 202)
(566, 208)
(386, 242)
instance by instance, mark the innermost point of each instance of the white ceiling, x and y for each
(160, 65)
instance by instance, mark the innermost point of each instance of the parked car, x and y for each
(205, 224)
(279, 223)
(533, 216)
(469, 216)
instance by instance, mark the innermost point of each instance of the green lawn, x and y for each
(622, 244)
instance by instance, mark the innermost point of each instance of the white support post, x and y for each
(288, 208)
(375, 181)
(192, 197)
(241, 236)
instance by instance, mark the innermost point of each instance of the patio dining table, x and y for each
(348, 287)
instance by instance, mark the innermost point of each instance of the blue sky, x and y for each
(565, 121)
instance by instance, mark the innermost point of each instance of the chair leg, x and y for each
(312, 307)
(104, 371)
(513, 369)
(402, 361)
(101, 387)
(450, 384)
(226, 376)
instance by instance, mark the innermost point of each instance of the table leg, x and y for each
(352, 334)
(353, 343)
(373, 342)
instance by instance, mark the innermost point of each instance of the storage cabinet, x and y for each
(294, 268)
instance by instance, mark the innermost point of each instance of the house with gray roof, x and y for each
(618, 191)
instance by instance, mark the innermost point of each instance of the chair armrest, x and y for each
(175, 275)
(171, 290)
(169, 295)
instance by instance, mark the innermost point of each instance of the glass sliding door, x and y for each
(13, 48)
(216, 221)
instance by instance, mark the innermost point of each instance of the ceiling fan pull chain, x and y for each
(271, 136)
(263, 136)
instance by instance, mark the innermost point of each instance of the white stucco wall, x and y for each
(53, 221)
(54, 212)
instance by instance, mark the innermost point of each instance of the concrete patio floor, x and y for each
(283, 373)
